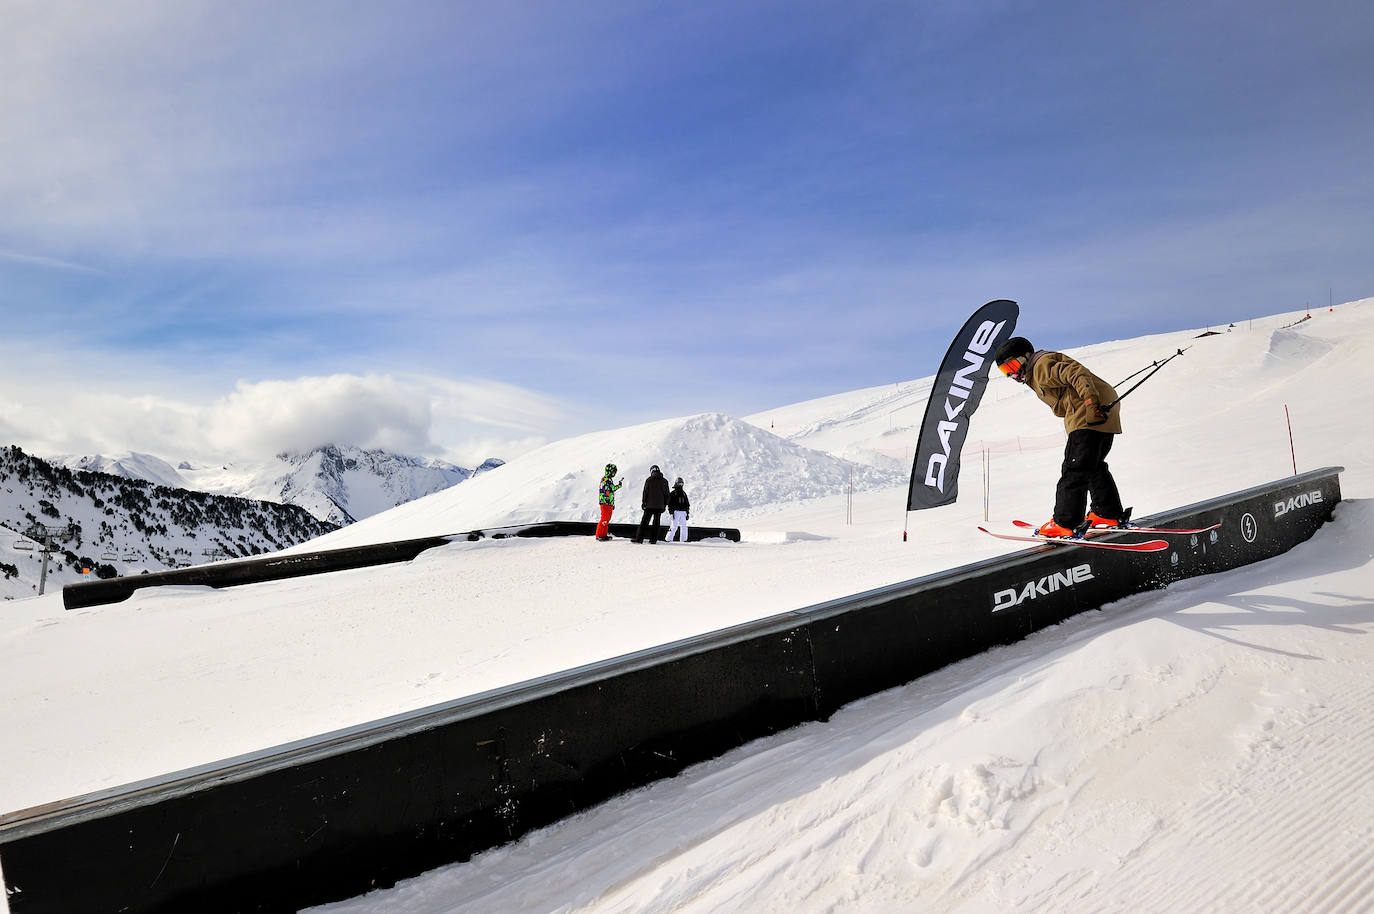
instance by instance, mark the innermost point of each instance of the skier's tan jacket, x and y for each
(1065, 385)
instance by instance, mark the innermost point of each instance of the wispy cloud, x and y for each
(48, 262)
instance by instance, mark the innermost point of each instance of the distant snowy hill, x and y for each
(121, 525)
(131, 465)
(336, 484)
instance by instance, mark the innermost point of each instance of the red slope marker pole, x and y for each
(1290, 439)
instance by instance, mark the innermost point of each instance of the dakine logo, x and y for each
(956, 398)
(1015, 596)
(1297, 501)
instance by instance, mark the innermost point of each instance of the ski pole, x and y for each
(1155, 365)
(1148, 367)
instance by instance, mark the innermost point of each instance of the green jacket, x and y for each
(607, 492)
(1065, 385)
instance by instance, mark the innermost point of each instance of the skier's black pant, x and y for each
(655, 514)
(1085, 473)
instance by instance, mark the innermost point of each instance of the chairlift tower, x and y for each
(47, 535)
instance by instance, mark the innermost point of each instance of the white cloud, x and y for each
(371, 411)
(465, 421)
(67, 418)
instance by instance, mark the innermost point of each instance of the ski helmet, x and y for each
(1012, 348)
(610, 469)
(1012, 357)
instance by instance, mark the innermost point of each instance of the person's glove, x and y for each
(1096, 415)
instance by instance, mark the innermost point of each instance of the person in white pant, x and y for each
(679, 507)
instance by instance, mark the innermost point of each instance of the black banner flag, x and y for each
(957, 392)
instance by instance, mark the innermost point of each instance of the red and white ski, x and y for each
(1146, 546)
(1132, 529)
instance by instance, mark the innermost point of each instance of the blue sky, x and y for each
(235, 228)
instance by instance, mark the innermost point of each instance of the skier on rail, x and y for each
(1076, 395)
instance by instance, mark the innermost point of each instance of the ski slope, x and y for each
(1202, 748)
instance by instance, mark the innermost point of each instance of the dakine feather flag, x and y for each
(957, 392)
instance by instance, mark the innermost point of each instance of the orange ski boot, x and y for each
(1050, 528)
(1095, 521)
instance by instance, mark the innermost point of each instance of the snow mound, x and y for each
(1292, 350)
(737, 465)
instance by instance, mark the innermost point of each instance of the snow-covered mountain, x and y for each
(114, 524)
(338, 485)
(129, 465)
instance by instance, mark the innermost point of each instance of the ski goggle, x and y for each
(1012, 368)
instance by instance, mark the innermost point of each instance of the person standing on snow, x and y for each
(606, 498)
(1076, 395)
(654, 500)
(679, 506)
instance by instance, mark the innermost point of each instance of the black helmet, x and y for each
(1013, 348)
(610, 469)
(679, 482)
(1018, 351)
(653, 469)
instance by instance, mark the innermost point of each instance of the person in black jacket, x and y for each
(680, 508)
(654, 500)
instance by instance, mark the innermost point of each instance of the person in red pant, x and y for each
(606, 498)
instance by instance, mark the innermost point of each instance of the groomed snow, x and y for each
(1203, 748)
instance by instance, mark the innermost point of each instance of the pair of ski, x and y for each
(1143, 546)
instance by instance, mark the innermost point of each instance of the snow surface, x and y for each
(1204, 748)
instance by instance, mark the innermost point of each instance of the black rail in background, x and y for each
(292, 565)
